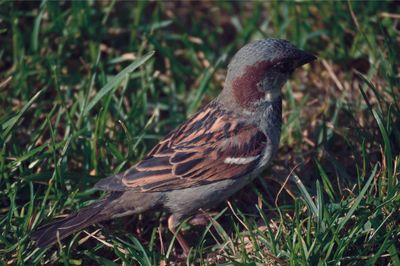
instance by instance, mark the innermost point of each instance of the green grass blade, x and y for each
(10, 124)
(388, 152)
(358, 199)
(117, 80)
(306, 195)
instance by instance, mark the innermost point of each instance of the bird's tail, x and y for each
(50, 233)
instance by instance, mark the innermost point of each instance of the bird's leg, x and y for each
(201, 218)
(172, 225)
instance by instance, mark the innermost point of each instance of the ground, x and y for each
(81, 98)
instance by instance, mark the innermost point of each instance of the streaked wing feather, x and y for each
(195, 154)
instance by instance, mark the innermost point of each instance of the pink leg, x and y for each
(172, 225)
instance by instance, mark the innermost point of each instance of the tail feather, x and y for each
(48, 234)
(117, 204)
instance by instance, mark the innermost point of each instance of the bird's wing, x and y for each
(211, 146)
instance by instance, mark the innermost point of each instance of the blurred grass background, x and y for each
(81, 98)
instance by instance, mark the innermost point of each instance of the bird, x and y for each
(209, 157)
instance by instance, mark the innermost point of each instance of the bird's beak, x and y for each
(304, 58)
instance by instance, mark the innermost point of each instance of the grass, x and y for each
(83, 96)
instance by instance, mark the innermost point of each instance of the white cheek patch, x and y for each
(272, 95)
(240, 160)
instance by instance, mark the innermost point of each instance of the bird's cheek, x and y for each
(277, 82)
(264, 85)
(260, 86)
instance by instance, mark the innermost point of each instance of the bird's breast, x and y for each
(271, 122)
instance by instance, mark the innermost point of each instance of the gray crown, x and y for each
(264, 50)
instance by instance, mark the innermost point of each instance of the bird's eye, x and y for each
(283, 67)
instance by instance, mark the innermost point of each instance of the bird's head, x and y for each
(258, 71)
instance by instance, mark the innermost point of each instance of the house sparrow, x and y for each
(210, 156)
